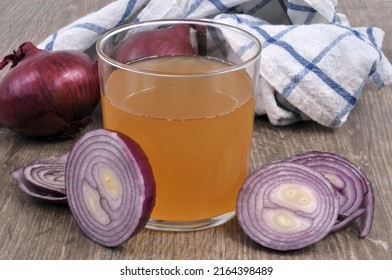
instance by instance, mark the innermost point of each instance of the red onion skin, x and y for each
(158, 42)
(149, 181)
(48, 94)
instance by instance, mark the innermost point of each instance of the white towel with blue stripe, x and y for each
(314, 66)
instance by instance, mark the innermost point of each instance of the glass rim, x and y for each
(230, 68)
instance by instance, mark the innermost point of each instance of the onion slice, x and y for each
(47, 175)
(287, 206)
(110, 186)
(351, 183)
(343, 221)
(43, 179)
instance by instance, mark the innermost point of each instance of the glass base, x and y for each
(177, 226)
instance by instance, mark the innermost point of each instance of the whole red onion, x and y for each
(181, 39)
(48, 94)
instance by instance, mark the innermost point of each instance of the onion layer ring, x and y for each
(287, 206)
(110, 186)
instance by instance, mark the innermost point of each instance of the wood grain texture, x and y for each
(31, 230)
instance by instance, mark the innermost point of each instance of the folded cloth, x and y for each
(314, 66)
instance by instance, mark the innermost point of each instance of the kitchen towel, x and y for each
(314, 65)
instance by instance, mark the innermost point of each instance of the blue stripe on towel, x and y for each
(316, 70)
(94, 27)
(338, 119)
(127, 12)
(254, 21)
(300, 8)
(219, 5)
(244, 48)
(365, 39)
(309, 18)
(308, 64)
(376, 78)
(297, 78)
(370, 34)
(334, 18)
(91, 26)
(259, 7)
(283, 5)
(193, 8)
(49, 45)
(218, 43)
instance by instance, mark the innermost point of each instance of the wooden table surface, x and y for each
(30, 230)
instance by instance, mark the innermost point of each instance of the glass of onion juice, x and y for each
(184, 90)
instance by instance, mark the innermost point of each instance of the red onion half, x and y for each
(287, 206)
(48, 94)
(110, 186)
(354, 188)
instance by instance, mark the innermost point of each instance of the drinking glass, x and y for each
(184, 90)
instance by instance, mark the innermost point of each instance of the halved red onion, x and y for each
(43, 179)
(355, 189)
(287, 206)
(110, 186)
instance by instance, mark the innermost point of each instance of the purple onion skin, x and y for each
(174, 40)
(366, 220)
(48, 94)
(149, 181)
(89, 198)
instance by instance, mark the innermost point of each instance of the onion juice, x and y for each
(196, 131)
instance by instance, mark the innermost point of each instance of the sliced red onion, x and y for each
(110, 186)
(43, 179)
(348, 180)
(343, 221)
(287, 206)
(366, 219)
(47, 175)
